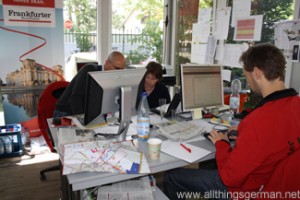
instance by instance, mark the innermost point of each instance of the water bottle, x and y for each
(8, 145)
(234, 103)
(143, 119)
(25, 136)
(1, 147)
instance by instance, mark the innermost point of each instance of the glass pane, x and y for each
(80, 21)
(137, 29)
(273, 12)
(188, 13)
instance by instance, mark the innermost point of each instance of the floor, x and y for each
(20, 178)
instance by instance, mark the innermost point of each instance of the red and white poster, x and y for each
(34, 13)
(32, 54)
(248, 29)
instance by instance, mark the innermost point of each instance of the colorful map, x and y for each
(104, 156)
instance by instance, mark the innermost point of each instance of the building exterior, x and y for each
(32, 74)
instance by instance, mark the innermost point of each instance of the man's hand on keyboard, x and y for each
(216, 136)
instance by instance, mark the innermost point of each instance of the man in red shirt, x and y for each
(265, 160)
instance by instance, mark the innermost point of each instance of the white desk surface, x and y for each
(83, 180)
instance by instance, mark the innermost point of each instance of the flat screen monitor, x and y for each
(111, 91)
(201, 86)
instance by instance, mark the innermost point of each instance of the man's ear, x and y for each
(257, 73)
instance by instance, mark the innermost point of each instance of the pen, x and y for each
(186, 148)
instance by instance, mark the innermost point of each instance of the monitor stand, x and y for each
(124, 115)
(125, 112)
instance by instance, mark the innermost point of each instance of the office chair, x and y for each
(46, 107)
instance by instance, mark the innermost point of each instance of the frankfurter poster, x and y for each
(39, 13)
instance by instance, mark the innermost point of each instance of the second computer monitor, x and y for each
(108, 90)
(201, 86)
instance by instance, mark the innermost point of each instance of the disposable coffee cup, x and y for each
(154, 145)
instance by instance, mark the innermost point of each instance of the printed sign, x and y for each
(34, 13)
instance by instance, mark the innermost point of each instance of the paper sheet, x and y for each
(176, 150)
(241, 8)
(222, 23)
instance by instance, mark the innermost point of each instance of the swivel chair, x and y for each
(46, 107)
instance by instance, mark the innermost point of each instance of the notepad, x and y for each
(176, 150)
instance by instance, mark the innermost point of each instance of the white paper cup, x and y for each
(154, 145)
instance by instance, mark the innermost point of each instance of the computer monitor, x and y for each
(112, 91)
(201, 86)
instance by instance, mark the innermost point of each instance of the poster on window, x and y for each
(29, 13)
(287, 38)
(27, 45)
(248, 29)
(32, 53)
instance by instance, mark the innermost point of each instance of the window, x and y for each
(137, 29)
(273, 11)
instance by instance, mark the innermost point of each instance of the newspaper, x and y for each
(181, 130)
(74, 135)
(136, 189)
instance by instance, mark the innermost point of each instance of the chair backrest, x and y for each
(46, 107)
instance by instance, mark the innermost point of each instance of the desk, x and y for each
(79, 181)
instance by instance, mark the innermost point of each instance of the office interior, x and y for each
(174, 13)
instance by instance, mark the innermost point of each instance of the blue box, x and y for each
(10, 137)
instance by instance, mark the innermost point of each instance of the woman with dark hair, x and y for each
(152, 85)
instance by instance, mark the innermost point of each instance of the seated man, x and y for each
(265, 158)
(152, 85)
(72, 100)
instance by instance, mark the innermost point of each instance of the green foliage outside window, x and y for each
(83, 15)
(151, 42)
